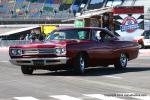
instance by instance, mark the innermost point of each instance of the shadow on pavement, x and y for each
(95, 71)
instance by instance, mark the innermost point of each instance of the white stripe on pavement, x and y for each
(102, 97)
(142, 97)
(25, 98)
(64, 97)
(4, 61)
(113, 77)
(94, 96)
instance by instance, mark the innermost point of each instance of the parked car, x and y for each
(143, 40)
(74, 48)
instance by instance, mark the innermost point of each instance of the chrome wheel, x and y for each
(123, 60)
(82, 64)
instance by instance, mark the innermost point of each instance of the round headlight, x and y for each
(14, 52)
(60, 50)
(63, 50)
(19, 52)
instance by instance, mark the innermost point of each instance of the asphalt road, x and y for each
(97, 83)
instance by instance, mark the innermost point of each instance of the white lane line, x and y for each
(109, 76)
(142, 97)
(25, 98)
(64, 97)
(4, 61)
(102, 97)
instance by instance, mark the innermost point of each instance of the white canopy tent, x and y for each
(90, 13)
(18, 30)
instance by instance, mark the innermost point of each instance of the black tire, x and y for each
(80, 64)
(122, 62)
(27, 70)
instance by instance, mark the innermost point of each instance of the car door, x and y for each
(104, 47)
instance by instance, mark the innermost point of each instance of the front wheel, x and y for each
(122, 62)
(27, 70)
(80, 64)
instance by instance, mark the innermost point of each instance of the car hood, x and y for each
(48, 44)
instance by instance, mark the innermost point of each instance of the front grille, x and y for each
(38, 51)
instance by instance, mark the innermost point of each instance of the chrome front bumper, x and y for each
(39, 61)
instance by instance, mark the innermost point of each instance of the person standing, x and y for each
(32, 36)
(27, 37)
(41, 37)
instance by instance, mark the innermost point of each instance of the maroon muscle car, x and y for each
(75, 48)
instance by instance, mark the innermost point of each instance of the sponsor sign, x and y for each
(129, 24)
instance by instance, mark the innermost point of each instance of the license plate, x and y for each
(38, 62)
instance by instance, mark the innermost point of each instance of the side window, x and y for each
(82, 35)
(101, 35)
(72, 35)
(96, 35)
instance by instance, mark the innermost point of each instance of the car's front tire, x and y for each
(27, 70)
(121, 62)
(80, 63)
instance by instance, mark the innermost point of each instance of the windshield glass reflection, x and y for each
(69, 35)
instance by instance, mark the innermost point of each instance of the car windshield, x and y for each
(73, 34)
